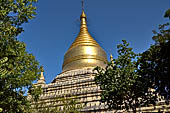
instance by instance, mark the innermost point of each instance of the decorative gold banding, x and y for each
(86, 56)
(84, 51)
(83, 44)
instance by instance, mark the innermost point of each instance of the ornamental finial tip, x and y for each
(82, 3)
(41, 68)
(83, 15)
(111, 57)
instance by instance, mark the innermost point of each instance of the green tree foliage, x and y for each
(22, 66)
(120, 82)
(3, 72)
(167, 14)
(155, 62)
(14, 13)
(130, 82)
(69, 105)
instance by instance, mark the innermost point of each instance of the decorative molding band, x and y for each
(86, 56)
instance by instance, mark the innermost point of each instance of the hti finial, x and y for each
(83, 14)
(111, 59)
(82, 3)
(41, 68)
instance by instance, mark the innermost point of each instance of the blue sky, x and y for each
(56, 25)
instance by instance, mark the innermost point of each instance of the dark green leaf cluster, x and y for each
(155, 62)
(69, 105)
(23, 70)
(132, 80)
(14, 13)
(167, 14)
(3, 72)
(120, 82)
(19, 68)
(35, 92)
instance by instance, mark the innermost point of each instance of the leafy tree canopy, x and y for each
(119, 81)
(67, 105)
(20, 69)
(155, 62)
(129, 82)
(14, 13)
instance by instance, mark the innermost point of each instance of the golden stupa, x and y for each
(84, 52)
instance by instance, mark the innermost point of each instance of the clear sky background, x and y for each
(56, 26)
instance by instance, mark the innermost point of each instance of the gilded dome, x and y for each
(84, 52)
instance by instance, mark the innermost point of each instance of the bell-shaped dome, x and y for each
(84, 52)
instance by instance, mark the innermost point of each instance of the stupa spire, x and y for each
(84, 37)
(111, 58)
(42, 79)
(84, 52)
